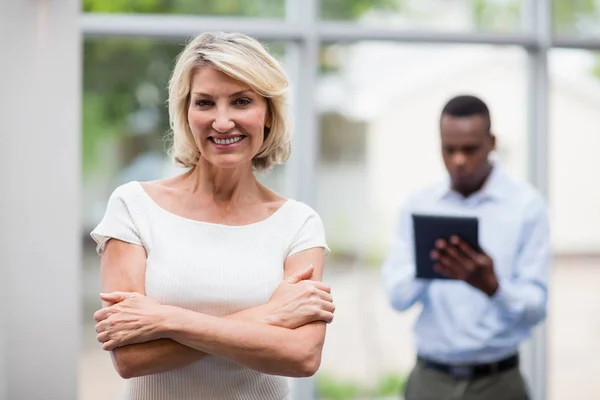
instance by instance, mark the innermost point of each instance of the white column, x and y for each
(3, 369)
(534, 351)
(39, 198)
(303, 62)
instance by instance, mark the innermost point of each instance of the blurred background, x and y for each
(369, 79)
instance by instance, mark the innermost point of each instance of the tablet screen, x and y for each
(429, 228)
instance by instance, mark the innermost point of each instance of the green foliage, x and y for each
(596, 68)
(95, 129)
(353, 9)
(389, 385)
(254, 8)
(118, 74)
(566, 14)
(119, 78)
(490, 16)
(116, 71)
(331, 388)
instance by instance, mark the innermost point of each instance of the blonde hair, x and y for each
(246, 60)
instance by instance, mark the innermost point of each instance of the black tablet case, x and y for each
(428, 228)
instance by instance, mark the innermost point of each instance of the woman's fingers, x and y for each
(328, 306)
(117, 297)
(322, 286)
(325, 296)
(103, 337)
(109, 345)
(326, 316)
(303, 274)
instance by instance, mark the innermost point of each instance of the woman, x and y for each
(211, 280)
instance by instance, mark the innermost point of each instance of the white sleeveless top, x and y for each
(212, 269)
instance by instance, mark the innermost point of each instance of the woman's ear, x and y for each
(268, 116)
(268, 122)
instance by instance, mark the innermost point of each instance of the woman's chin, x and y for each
(230, 161)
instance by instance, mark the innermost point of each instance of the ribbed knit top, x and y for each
(212, 269)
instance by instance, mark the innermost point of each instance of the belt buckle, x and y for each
(461, 371)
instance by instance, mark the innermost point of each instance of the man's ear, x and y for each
(492, 141)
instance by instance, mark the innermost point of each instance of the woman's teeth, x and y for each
(228, 140)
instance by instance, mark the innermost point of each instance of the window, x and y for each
(255, 8)
(390, 96)
(490, 16)
(574, 197)
(576, 18)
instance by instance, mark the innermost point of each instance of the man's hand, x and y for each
(456, 259)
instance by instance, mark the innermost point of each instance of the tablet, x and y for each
(428, 228)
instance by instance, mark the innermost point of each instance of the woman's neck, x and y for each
(223, 185)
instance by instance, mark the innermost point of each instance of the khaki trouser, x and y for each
(428, 384)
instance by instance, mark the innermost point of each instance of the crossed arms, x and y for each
(284, 336)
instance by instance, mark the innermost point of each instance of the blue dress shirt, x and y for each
(458, 323)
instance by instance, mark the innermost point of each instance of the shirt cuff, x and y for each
(508, 301)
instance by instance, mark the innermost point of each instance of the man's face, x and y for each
(466, 145)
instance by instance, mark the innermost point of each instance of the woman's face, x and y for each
(226, 117)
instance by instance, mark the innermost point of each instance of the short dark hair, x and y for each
(466, 106)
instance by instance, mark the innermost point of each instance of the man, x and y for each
(469, 330)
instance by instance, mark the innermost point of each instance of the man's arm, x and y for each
(524, 299)
(520, 302)
(398, 271)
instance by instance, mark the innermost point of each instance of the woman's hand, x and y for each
(130, 318)
(298, 301)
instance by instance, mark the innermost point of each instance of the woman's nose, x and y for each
(223, 122)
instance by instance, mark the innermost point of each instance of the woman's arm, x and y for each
(269, 349)
(123, 269)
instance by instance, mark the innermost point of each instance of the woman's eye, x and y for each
(203, 103)
(242, 102)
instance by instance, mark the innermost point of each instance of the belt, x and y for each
(472, 371)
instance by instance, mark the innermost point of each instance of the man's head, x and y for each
(467, 140)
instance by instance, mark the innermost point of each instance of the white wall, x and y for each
(403, 150)
(342, 204)
(574, 166)
(39, 205)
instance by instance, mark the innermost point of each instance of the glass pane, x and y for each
(573, 316)
(576, 18)
(124, 124)
(379, 113)
(243, 8)
(440, 15)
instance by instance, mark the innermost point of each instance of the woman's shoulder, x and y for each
(157, 189)
(126, 192)
(299, 207)
(297, 213)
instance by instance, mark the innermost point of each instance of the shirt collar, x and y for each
(493, 188)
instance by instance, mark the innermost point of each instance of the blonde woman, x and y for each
(212, 282)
